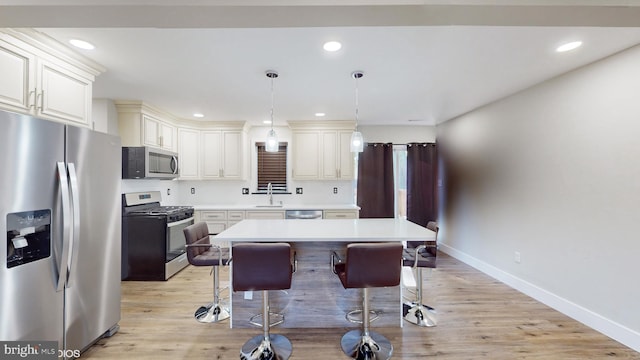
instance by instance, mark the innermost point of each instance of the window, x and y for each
(400, 183)
(272, 168)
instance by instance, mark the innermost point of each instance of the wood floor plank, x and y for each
(478, 318)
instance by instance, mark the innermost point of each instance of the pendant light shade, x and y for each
(271, 144)
(357, 142)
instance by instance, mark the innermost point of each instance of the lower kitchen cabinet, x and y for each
(340, 214)
(265, 214)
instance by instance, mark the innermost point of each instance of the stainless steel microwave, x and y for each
(143, 162)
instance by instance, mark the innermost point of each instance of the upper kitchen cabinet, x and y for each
(189, 153)
(44, 78)
(223, 154)
(212, 151)
(141, 124)
(158, 133)
(321, 150)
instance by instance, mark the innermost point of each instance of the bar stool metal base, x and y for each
(362, 347)
(276, 347)
(420, 314)
(211, 313)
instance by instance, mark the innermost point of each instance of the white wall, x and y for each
(554, 174)
(398, 134)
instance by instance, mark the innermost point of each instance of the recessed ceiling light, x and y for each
(198, 115)
(81, 44)
(332, 46)
(569, 46)
(320, 114)
(266, 122)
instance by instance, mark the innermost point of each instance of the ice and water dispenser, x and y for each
(28, 237)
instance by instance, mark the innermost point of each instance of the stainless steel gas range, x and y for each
(153, 242)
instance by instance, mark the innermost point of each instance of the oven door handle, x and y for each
(180, 222)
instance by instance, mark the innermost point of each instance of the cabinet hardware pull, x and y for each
(29, 104)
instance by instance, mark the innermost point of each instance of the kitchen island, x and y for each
(316, 297)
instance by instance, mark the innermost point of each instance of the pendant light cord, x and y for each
(271, 102)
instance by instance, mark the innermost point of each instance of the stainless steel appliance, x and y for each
(153, 242)
(303, 214)
(143, 162)
(59, 209)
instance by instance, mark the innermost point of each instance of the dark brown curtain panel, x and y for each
(375, 181)
(421, 183)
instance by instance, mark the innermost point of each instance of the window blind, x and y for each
(272, 168)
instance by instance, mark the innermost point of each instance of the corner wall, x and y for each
(553, 173)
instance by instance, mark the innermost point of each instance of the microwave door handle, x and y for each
(174, 164)
(75, 203)
(66, 226)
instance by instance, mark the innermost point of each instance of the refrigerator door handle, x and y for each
(75, 233)
(66, 226)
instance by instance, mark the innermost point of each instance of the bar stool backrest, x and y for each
(373, 265)
(261, 266)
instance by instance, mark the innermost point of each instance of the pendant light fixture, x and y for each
(357, 142)
(271, 145)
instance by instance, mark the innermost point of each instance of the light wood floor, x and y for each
(479, 318)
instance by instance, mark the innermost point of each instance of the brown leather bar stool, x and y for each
(368, 265)
(200, 252)
(263, 266)
(423, 255)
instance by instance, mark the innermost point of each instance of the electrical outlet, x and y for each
(248, 295)
(245, 191)
(516, 257)
(193, 190)
(168, 192)
(298, 190)
(335, 190)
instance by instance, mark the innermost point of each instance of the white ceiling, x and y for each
(422, 70)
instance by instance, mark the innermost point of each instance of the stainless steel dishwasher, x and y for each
(303, 214)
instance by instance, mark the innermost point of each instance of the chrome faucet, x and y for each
(270, 193)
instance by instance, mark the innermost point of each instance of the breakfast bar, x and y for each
(317, 298)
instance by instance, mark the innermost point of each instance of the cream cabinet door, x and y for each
(345, 158)
(151, 131)
(17, 71)
(306, 155)
(340, 214)
(158, 134)
(211, 157)
(167, 136)
(330, 165)
(232, 146)
(189, 153)
(64, 95)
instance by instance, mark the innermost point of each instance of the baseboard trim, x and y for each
(610, 328)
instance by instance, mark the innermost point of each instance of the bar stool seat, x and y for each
(200, 252)
(368, 265)
(263, 266)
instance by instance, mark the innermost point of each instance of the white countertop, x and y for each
(345, 230)
(284, 207)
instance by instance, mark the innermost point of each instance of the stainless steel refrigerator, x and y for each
(60, 215)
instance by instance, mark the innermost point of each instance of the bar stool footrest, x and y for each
(279, 319)
(355, 316)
